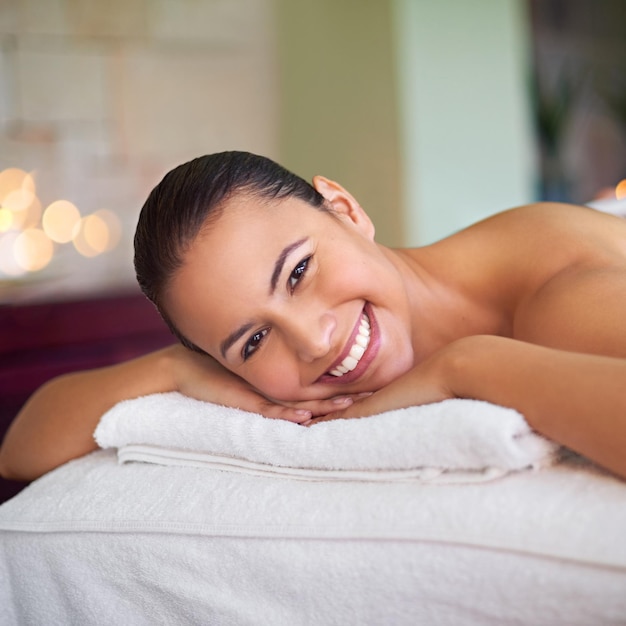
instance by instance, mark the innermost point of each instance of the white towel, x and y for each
(616, 206)
(450, 441)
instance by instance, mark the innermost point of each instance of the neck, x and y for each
(446, 301)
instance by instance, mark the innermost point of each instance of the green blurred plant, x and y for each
(553, 103)
(611, 87)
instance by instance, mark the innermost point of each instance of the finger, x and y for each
(297, 412)
(318, 410)
(289, 414)
(252, 402)
(323, 407)
(331, 405)
(322, 418)
(363, 408)
(330, 417)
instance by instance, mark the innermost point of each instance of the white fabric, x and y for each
(98, 542)
(616, 206)
(451, 441)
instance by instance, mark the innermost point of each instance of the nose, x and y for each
(310, 335)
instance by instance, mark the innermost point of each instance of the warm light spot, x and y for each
(28, 183)
(620, 190)
(18, 200)
(29, 217)
(88, 238)
(8, 264)
(12, 179)
(96, 233)
(113, 223)
(59, 220)
(6, 220)
(33, 249)
(26, 209)
(28, 235)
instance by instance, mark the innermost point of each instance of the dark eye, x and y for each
(253, 343)
(298, 272)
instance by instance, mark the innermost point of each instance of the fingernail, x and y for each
(304, 412)
(343, 400)
(364, 394)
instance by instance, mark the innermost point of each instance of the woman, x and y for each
(285, 305)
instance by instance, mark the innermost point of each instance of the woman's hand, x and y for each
(574, 398)
(423, 384)
(50, 429)
(201, 377)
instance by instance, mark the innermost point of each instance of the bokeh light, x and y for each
(8, 262)
(59, 221)
(620, 190)
(13, 179)
(29, 236)
(91, 236)
(17, 195)
(29, 183)
(113, 223)
(33, 249)
(28, 215)
(6, 220)
(18, 199)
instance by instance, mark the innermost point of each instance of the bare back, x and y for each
(550, 274)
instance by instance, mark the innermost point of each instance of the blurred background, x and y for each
(434, 114)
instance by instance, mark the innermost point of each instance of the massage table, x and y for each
(451, 514)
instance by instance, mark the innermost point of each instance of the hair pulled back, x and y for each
(193, 195)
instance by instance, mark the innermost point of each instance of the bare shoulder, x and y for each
(558, 229)
(520, 249)
(555, 272)
(576, 294)
(533, 243)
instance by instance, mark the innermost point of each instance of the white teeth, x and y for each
(357, 351)
(350, 362)
(361, 342)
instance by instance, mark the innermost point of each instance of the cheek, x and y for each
(274, 381)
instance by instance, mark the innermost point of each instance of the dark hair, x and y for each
(193, 195)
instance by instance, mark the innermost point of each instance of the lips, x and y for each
(360, 350)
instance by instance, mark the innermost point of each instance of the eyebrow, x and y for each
(233, 337)
(280, 262)
(278, 268)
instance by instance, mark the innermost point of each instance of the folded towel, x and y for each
(450, 441)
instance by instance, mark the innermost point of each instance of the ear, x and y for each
(344, 204)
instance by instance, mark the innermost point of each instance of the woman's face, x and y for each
(301, 303)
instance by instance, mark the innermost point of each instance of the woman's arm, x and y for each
(58, 421)
(578, 400)
(565, 371)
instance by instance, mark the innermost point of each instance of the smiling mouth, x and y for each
(361, 342)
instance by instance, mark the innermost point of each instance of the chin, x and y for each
(293, 396)
(306, 395)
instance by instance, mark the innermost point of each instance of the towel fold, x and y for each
(450, 441)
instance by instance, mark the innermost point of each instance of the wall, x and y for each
(467, 140)
(339, 104)
(417, 107)
(102, 98)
